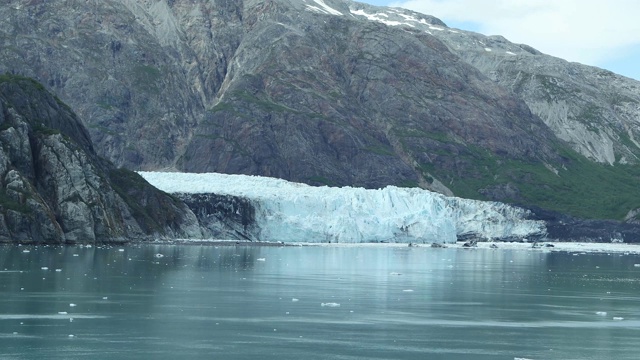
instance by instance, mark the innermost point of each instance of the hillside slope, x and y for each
(333, 92)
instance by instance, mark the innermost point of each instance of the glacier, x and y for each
(293, 212)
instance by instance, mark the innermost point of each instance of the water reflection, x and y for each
(396, 303)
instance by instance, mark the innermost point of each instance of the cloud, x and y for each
(592, 32)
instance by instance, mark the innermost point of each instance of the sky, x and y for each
(593, 32)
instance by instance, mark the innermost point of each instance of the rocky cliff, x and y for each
(333, 92)
(55, 189)
(223, 216)
(595, 111)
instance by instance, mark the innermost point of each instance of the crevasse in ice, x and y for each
(293, 212)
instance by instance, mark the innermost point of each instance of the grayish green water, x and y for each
(205, 302)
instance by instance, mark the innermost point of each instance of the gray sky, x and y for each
(593, 32)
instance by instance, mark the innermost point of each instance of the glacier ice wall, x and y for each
(293, 212)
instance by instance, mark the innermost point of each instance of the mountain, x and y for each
(333, 92)
(54, 188)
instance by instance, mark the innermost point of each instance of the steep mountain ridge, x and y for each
(55, 189)
(332, 92)
(596, 111)
(360, 116)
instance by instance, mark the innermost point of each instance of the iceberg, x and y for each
(293, 212)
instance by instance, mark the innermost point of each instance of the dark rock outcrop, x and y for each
(55, 189)
(562, 227)
(223, 216)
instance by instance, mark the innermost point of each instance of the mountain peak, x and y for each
(330, 92)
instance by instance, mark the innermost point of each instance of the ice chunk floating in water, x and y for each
(293, 212)
(331, 304)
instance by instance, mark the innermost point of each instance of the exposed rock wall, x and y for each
(275, 88)
(595, 111)
(561, 227)
(55, 189)
(223, 216)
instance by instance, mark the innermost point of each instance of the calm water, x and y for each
(205, 302)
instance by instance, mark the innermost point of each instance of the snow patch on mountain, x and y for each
(324, 8)
(379, 18)
(293, 212)
(409, 19)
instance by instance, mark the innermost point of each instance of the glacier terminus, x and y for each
(293, 212)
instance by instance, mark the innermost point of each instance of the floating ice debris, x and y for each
(618, 318)
(72, 305)
(395, 273)
(26, 251)
(159, 256)
(58, 270)
(62, 313)
(518, 358)
(15, 333)
(121, 250)
(76, 255)
(295, 300)
(105, 298)
(261, 259)
(331, 304)
(44, 268)
(636, 265)
(601, 313)
(71, 335)
(407, 290)
(70, 319)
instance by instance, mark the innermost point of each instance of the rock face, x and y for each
(223, 216)
(561, 227)
(55, 189)
(333, 92)
(595, 111)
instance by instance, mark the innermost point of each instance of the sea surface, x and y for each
(316, 302)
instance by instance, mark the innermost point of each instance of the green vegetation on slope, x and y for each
(11, 78)
(582, 188)
(8, 203)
